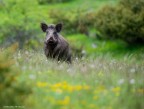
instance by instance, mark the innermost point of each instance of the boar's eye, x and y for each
(55, 33)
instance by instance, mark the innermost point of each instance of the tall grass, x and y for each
(103, 82)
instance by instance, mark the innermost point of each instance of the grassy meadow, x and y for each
(101, 83)
(109, 75)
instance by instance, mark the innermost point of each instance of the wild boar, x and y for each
(55, 46)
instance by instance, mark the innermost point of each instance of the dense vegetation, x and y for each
(11, 92)
(106, 37)
(123, 21)
(102, 83)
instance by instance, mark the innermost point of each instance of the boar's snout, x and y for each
(50, 41)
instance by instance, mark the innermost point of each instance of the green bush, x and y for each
(124, 21)
(17, 24)
(75, 21)
(52, 1)
(12, 92)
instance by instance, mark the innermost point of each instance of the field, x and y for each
(105, 82)
(109, 75)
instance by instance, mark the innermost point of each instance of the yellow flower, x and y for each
(86, 87)
(65, 86)
(65, 101)
(64, 83)
(99, 89)
(140, 91)
(116, 90)
(42, 84)
(78, 87)
(70, 89)
(57, 85)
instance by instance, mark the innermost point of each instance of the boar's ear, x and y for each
(44, 27)
(58, 27)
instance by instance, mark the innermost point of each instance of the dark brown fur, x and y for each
(55, 46)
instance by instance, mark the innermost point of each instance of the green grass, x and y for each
(88, 83)
(114, 48)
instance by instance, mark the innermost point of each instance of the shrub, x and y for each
(17, 25)
(12, 92)
(19, 34)
(76, 21)
(124, 21)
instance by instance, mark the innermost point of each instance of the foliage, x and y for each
(123, 21)
(17, 25)
(21, 19)
(90, 47)
(52, 1)
(75, 21)
(12, 93)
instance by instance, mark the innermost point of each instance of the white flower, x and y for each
(32, 76)
(132, 70)
(94, 45)
(132, 81)
(83, 52)
(121, 81)
(92, 65)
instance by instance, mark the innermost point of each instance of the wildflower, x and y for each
(70, 89)
(92, 65)
(133, 70)
(86, 87)
(42, 84)
(116, 90)
(57, 85)
(32, 76)
(121, 81)
(65, 85)
(100, 89)
(65, 101)
(78, 87)
(132, 81)
(83, 52)
(140, 91)
(94, 45)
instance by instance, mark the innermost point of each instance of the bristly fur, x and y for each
(55, 46)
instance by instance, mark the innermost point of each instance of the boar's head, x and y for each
(52, 33)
